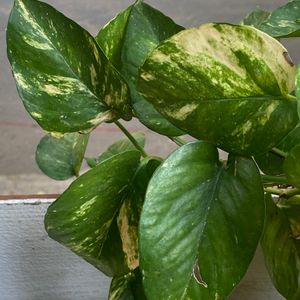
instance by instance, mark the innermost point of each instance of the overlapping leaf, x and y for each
(61, 158)
(227, 84)
(94, 216)
(284, 21)
(256, 17)
(271, 163)
(127, 40)
(128, 287)
(291, 166)
(117, 147)
(200, 224)
(281, 251)
(64, 79)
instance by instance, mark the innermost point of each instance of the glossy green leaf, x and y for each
(61, 158)
(227, 84)
(64, 79)
(271, 163)
(291, 166)
(128, 287)
(284, 21)
(297, 91)
(116, 148)
(256, 17)
(281, 251)
(91, 216)
(127, 40)
(200, 224)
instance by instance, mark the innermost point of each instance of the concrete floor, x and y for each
(20, 134)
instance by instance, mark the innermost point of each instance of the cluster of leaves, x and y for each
(185, 227)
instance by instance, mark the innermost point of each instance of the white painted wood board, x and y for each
(33, 267)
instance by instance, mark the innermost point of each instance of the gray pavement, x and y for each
(20, 134)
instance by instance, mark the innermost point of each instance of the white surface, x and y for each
(33, 267)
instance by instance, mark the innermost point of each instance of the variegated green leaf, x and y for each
(64, 79)
(270, 162)
(200, 224)
(228, 84)
(281, 251)
(93, 216)
(128, 287)
(116, 148)
(61, 158)
(127, 40)
(256, 17)
(291, 166)
(284, 21)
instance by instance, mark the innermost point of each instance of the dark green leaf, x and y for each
(281, 251)
(271, 163)
(64, 79)
(116, 148)
(127, 40)
(200, 224)
(61, 158)
(284, 21)
(91, 216)
(291, 166)
(128, 287)
(227, 84)
(256, 17)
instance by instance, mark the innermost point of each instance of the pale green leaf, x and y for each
(61, 158)
(228, 84)
(200, 224)
(127, 40)
(64, 79)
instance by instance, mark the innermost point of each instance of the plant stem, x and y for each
(274, 191)
(274, 179)
(279, 152)
(291, 97)
(177, 140)
(132, 139)
(291, 192)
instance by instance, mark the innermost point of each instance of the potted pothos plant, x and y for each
(186, 226)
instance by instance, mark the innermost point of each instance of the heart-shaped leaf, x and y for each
(128, 287)
(284, 21)
(256, 17)
(116, 148)
(61, 158)
(200, 224)
(281, 251)
(227, 84)
(291, 166)
(92, 216)
(127, 40)
(272, 163)
(64, 79)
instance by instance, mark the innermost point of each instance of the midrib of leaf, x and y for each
(215, 187)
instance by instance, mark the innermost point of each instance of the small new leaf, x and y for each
(61, 158)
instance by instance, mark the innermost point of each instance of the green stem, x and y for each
(274, 191)
(132, 139)
(279, 152)
(291, 192)
(274, 179)
(177, 140)
(291, 97)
